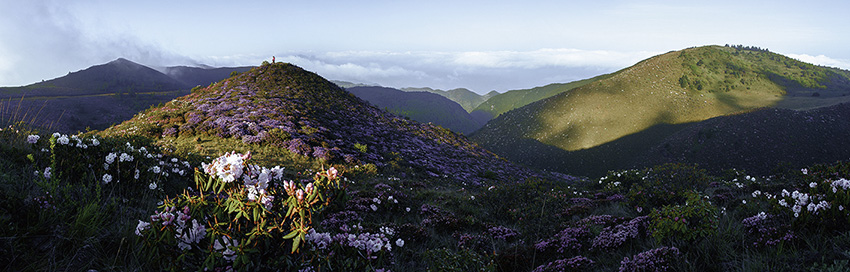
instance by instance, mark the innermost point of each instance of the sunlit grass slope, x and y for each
(677, 87)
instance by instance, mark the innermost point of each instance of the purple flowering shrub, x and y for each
(697, 218)
(656, 260)
(569, 240)
(616, 236)
(577, 263)
(765, 229)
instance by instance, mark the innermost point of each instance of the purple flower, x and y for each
(577, 263)
(613, 237)
(658, 259)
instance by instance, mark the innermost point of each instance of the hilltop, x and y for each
(424, 107)
(678, 87)
(302, 114)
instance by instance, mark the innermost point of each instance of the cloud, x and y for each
(44, 40)
(480, 71)
(822, 60)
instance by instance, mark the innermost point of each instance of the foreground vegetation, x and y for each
(85, 202)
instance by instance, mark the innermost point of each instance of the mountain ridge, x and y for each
(424, 107)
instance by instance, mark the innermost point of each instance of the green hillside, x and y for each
(420, 106)
(677, 87)
(466, 98)
(513, 99)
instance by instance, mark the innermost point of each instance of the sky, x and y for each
(479, 45)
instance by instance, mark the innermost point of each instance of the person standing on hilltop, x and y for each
(272, 59)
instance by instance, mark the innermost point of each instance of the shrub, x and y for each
(236, 215)
(665, 184)
(695, 219)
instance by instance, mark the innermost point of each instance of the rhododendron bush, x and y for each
(236, 212)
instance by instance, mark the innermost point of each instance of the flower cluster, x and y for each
(369, 243)
(33, 139)
(658, 259)
(502, 233)
(613, 237)
(767, 230)
(577, 263)
(227, 167)
(569, 239)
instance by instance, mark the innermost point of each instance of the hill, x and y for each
(302, 114)
(501, 103)
(678, 87)
(420, 106)
(101, 95)
(118, 76)
(466, 98)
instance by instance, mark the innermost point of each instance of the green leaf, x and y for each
(291, 234)
(296, 243)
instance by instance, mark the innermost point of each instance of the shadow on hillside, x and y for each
(761, 142)
(591, 162)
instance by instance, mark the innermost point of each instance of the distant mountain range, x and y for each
(645, 104)
(101, 95)
(424, 107)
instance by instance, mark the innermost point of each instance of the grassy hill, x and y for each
(678, 87)
(501, 103)
(424, 107)
(466, 98)
(282, 108)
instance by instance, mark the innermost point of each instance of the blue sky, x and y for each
(480, 45)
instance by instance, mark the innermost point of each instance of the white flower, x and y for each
(756, 193)
(63, 140)
(107, 178)
(399, 242)
(110, 158)
(155, 169)
(47, 172)
(374, 208)
(141, 227)
(33, 139)
(783, 203)
(744, 201)
(224, 248)
(813, 184)
(57, 135)
(840, 207)
(95, 142)
(136, 176)
(152, 186)
(805, 171)
(125, 157)
(376, 200)
(407, 209)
